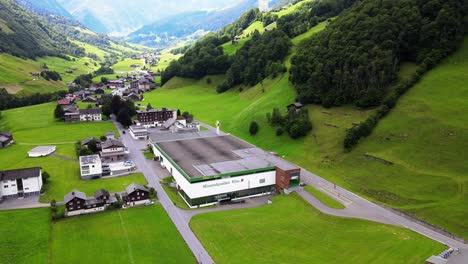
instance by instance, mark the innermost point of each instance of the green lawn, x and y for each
(35, 125)
(291, 231)
(325, 199)
(175, 197)
(25, 236)
(136, 235)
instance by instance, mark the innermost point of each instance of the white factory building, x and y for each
(20, 183)
(209, 170)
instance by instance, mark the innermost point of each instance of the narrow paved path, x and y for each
(63, 157)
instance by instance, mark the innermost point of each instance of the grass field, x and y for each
(325, 199)
(292, 231)
(25, 236)
(424, 136)
(15, 76)
(136, 235)
(35, 125)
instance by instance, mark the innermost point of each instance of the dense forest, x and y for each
(204, 57)
(242, 23)
(357, 57)
(27, 35)
(310, 14)
(259, 58)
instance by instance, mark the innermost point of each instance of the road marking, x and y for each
(128, 240)
(337, 196)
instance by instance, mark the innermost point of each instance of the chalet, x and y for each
(134, 85)
(295, 106)
(154, 117)
(86, 142)
(64, 102)
(75, 200)
(144, 84)
(134, 97)
(20, 183)
(135, 194)
(6, 139)
(113, 150)
(89, 99)
(91, 114)
(113, 84)
(99, 90)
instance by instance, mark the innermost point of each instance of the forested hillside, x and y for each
(24, 34)
(357, 57)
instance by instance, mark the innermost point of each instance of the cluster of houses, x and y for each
(76, 202)
(6, 139)
(111, 159)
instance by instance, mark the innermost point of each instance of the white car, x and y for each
(148, 203)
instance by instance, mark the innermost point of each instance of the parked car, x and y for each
(148, 203)
(123, 132)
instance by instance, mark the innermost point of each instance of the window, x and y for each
(26, 189)
(13, 185)
(262, 180)
(78, 207)
(71, 208)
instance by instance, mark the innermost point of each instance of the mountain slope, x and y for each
(47, 7)
(28, 35)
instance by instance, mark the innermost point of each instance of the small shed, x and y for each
(41, 151)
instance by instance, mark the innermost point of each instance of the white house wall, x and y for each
(9, 188)
(214, 187)
(32, 184)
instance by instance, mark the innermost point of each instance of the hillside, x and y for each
(422, 137)
(45, 7)
(25, 34)
(34, 42)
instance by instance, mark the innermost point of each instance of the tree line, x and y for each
(9, 101)
(357, 57)
(309, 14)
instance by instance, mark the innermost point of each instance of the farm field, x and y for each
(296, 233)
(34, 125)
(25, 236)
(135, 235)
(428, 175)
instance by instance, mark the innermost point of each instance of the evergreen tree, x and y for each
(59, 113)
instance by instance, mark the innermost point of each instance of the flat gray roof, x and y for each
(219, 155)
(162, 136)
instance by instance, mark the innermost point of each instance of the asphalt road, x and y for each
(153, 173)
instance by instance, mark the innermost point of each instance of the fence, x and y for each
(426, 224)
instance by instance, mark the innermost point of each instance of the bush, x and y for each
(279, 131)
(253, 129)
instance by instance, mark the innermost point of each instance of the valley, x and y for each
(222, 135)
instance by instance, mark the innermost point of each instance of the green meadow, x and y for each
(424, 136)
(135, 235)
(25, 236)
(291, 231)
(35, 125)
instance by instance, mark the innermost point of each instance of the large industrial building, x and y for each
(214, 169)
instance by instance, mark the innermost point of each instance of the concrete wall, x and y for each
(213, 187)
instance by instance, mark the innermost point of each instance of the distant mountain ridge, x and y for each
(49, 7)
(166, 32)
